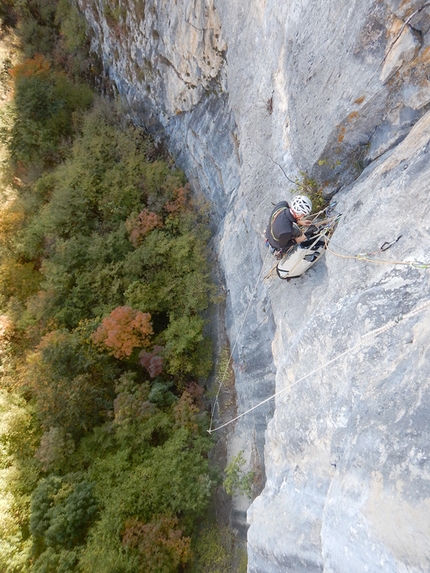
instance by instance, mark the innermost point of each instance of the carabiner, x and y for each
(387, 245)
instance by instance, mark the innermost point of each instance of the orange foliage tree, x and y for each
(124, 330)
(179, 201)
(161, 545)
(140, 225)
(37, 66)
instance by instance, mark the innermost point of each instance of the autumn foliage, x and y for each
(124, 330)
(103, 285)
(37, 66)
(152, 361)
(139, 226)
(179, 201)
(160, 544)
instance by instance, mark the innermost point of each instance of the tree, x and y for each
(160, 544)
(73, 385)
(61, 512)
(123, 330)
(44, 103)
(152, 361)
(140, 225)
(18, 279)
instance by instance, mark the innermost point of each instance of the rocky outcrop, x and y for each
(347, 450)
(248, 97)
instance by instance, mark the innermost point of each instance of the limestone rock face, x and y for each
(402, 50)
(347, 453)
(170, 50)
(249, 97)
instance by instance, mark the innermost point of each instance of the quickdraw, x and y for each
(385, 246)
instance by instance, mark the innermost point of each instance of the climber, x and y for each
(283, 229)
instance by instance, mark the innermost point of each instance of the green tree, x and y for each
(73, 385)
(44, 104)
(60, 512)
(19, 473)
(36, 26)
(236, 480)
(152, 481)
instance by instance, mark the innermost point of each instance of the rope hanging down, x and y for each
(235, 344)
(313, 219)
(360, 256)
(365, 338)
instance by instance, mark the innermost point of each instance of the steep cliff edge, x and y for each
(328, 88)
(347, 450)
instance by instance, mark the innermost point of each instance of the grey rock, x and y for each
(415, 12)
(391, 131)
(347, 445)
(404, 48)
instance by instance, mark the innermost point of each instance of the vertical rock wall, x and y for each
(347, 452)
(248, 95)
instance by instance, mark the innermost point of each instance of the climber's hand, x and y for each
(301, 238)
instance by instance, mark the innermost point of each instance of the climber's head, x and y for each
(301, 206)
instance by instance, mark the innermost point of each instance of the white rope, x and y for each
(235, 344)
(363, 339)
(215, 404)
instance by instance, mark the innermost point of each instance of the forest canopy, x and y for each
(104, 285)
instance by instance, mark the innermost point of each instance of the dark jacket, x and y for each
(280, 232)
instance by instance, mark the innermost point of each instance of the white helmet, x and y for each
(301, 205)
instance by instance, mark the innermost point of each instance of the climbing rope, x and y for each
(368, 256)
(215, 404)
(365, 338)
(330, 222)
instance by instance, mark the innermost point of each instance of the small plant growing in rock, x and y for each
(237, 481)
(225, 373)
(308, 186)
